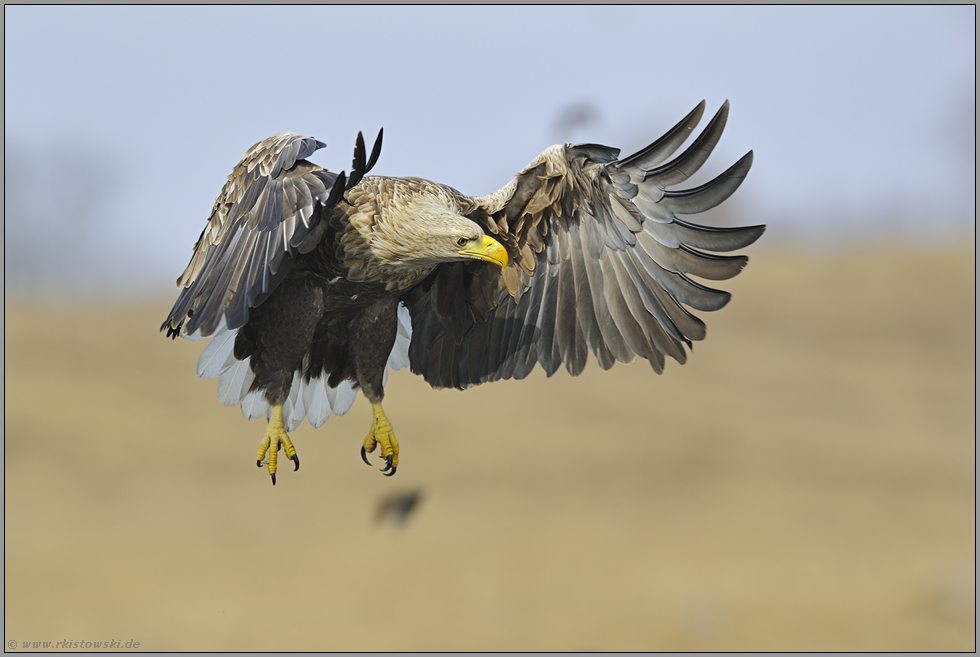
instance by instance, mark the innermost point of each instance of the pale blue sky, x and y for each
(862, 119)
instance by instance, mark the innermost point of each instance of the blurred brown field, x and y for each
(805, 482)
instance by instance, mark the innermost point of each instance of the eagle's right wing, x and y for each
(265, 211)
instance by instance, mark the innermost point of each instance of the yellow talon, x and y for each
(381, 434)
(275, 439)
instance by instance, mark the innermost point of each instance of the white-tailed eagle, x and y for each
(311, 284)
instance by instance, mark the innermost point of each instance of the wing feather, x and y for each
(601, 262)
(711, 194)
(571, 341)
(688, 163)
(664, 147)
(584, 301)
(622, 309)
(265, 211)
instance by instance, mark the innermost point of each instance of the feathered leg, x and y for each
(276, 338)
(372, 337)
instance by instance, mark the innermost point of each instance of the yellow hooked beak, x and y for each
(490, 251)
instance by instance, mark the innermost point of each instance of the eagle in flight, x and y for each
(312, 284)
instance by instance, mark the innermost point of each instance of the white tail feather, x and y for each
(233, 384)
(254, 405)
(317, 404)
(293, 409)
(218, 356)
(342, 397)
(398, 358)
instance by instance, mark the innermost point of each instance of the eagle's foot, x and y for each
(275, 439)
(381, 434)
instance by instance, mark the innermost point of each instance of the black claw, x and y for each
(389, 460)
(364, 455)
(296, 461)
(388, 474)
(258, 463)
(273, 478)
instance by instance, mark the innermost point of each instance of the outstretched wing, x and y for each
(600, 263)
(267, 209)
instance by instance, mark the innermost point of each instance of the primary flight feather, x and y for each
(311, 284)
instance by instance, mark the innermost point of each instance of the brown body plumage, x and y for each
(300, 273)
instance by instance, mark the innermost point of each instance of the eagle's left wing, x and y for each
(599, 263)
(268, 210)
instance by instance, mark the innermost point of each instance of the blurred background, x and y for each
(805, 482)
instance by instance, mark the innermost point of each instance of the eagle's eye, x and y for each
(461, 241)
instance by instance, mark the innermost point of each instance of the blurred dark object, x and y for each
(573, 116)
(398, 507)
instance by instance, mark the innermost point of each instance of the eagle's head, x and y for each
(427, 232)
(435, 234)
